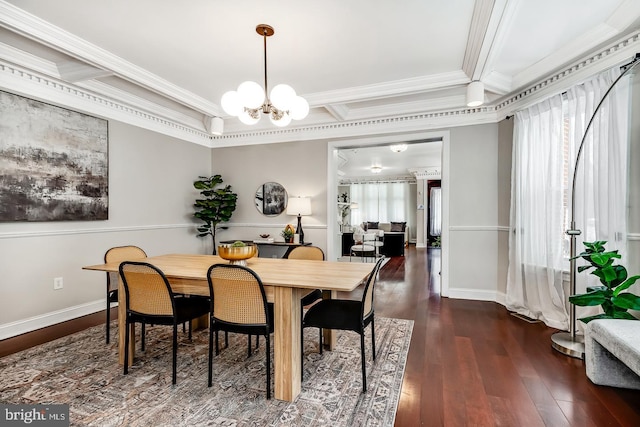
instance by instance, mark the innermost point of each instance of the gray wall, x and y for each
(301, 167)
(477, 258)
(150, 205)
(505, 145)
(633, 261)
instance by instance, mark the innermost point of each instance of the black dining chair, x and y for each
(348, 315)
(239, 305)
(151, 300)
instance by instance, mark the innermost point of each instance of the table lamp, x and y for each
(299, 206)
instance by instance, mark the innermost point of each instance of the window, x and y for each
(380, 201)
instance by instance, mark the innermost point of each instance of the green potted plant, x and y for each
(614, 280)
(216, 205)
(288, 233)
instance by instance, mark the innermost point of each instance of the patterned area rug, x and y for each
(80, 370)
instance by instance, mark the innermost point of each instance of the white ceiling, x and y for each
(355, 61)
(355, 163)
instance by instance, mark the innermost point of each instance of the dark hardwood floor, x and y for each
(470, 363)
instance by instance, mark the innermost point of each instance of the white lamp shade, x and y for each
(231, 103)
(251, 94)
(299, 108)
(245, 118)
(282, 96)
(398, 148)
(475, 94)
(299, 206)
(284, 121)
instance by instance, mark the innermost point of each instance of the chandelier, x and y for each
(250, 100)
(398, 148)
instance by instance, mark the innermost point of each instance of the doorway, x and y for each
(333, 231)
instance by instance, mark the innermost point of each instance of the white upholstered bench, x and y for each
(612, 352)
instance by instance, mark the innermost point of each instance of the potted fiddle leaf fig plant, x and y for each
(216, 205)
(614, 281)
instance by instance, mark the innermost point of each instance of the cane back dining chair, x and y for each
(348, 315)
(151, 300)
(310, 253)
(239, 305)
(119, 254)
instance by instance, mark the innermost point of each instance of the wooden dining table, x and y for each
(286, 281)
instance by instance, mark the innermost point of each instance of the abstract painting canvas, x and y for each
(53, 162)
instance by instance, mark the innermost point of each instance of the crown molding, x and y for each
(377, 179)
(152, 108)
(361, 128)
(433, 172)
(76, 71)
(617, 53)
(477, 37)
(27, 83)
(30, 26)
(338, 111)
(388, 89)
(28, 61)
(30, 76)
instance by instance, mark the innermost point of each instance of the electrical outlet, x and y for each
(57, 283)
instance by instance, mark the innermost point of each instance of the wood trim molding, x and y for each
(97, 230)
(479, 228)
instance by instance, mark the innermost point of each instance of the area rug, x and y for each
(81, 371)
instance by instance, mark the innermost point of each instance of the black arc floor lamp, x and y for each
(568, 342)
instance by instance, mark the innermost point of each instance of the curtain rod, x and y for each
(623, 68)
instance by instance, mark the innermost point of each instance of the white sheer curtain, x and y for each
(435, 212)
(380, 201)
(534, 284)
(601, 186)
(540, 185)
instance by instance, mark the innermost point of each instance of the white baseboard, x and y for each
(20, 327)
(477, 295)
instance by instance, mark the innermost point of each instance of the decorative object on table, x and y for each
(614, 279)
(237, 252)
(569, 343)
(282, 105)
(271, 199)
(54, 163)
(264, 238)
(288, 233)
(216, 206)
(299, 206)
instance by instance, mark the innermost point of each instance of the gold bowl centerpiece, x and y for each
(237, 252)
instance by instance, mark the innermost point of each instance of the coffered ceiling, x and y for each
(365, 66)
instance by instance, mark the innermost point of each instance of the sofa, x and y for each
(612, 352)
